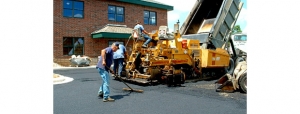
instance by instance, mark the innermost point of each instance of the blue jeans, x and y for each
(118, 64)
(105, 84)
(147, 38)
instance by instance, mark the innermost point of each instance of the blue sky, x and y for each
(181, 11)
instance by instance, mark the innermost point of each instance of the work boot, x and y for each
(100, 94)
(144, 46)
(108, 100)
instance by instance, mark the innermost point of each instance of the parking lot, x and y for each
(80, 96)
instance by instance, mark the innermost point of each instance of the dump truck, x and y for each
(198, 50)
(211, 22)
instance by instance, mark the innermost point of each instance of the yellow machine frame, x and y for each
(168, 57)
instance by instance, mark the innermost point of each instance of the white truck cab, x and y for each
(240, 41)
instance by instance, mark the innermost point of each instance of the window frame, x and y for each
(73, 9)
(149, 18)
(115, 13)
(73, 46)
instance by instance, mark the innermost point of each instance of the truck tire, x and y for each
(243, 82)
(230, 68)
(237, 60)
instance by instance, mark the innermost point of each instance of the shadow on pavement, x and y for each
(117, 97)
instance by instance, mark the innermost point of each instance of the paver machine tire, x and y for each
(243, 82)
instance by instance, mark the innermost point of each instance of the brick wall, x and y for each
(95, 17)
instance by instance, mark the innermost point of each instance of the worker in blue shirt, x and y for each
(144, 33)
(104, 63)
(119, 57)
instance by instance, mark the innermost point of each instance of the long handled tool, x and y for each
(126, 89)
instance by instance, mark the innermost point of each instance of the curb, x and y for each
(62, 80)
(57, 68)
(58, 78)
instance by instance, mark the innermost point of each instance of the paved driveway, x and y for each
(80, 97)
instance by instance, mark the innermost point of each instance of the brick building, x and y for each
(84, 27)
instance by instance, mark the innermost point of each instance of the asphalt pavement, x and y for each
(79, 96)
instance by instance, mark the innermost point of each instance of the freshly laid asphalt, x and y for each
(77, 94)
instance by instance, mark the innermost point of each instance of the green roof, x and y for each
(150, 3)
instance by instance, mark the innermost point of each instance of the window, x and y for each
(115, 13)
(73, 8)
(240, 37)
(73, 46)
(111, 42)
(149, 18)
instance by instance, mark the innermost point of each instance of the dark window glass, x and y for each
(146, 14)
(78, 5)
(68, 42)
(111, 17)
(72, 8)
(78, 46)
(120, 10)
(146, 21)
(67, 50)
(111, 9)
(120, 18)
(68, 4)
(73, 46)
(78, 13)
(152, 18)
(68, 13)
(240, 38)
(244, 38)
(115, 13)
(149, 18)
(153, 21)
(152, 14)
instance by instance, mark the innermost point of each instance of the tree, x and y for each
(236, 29)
